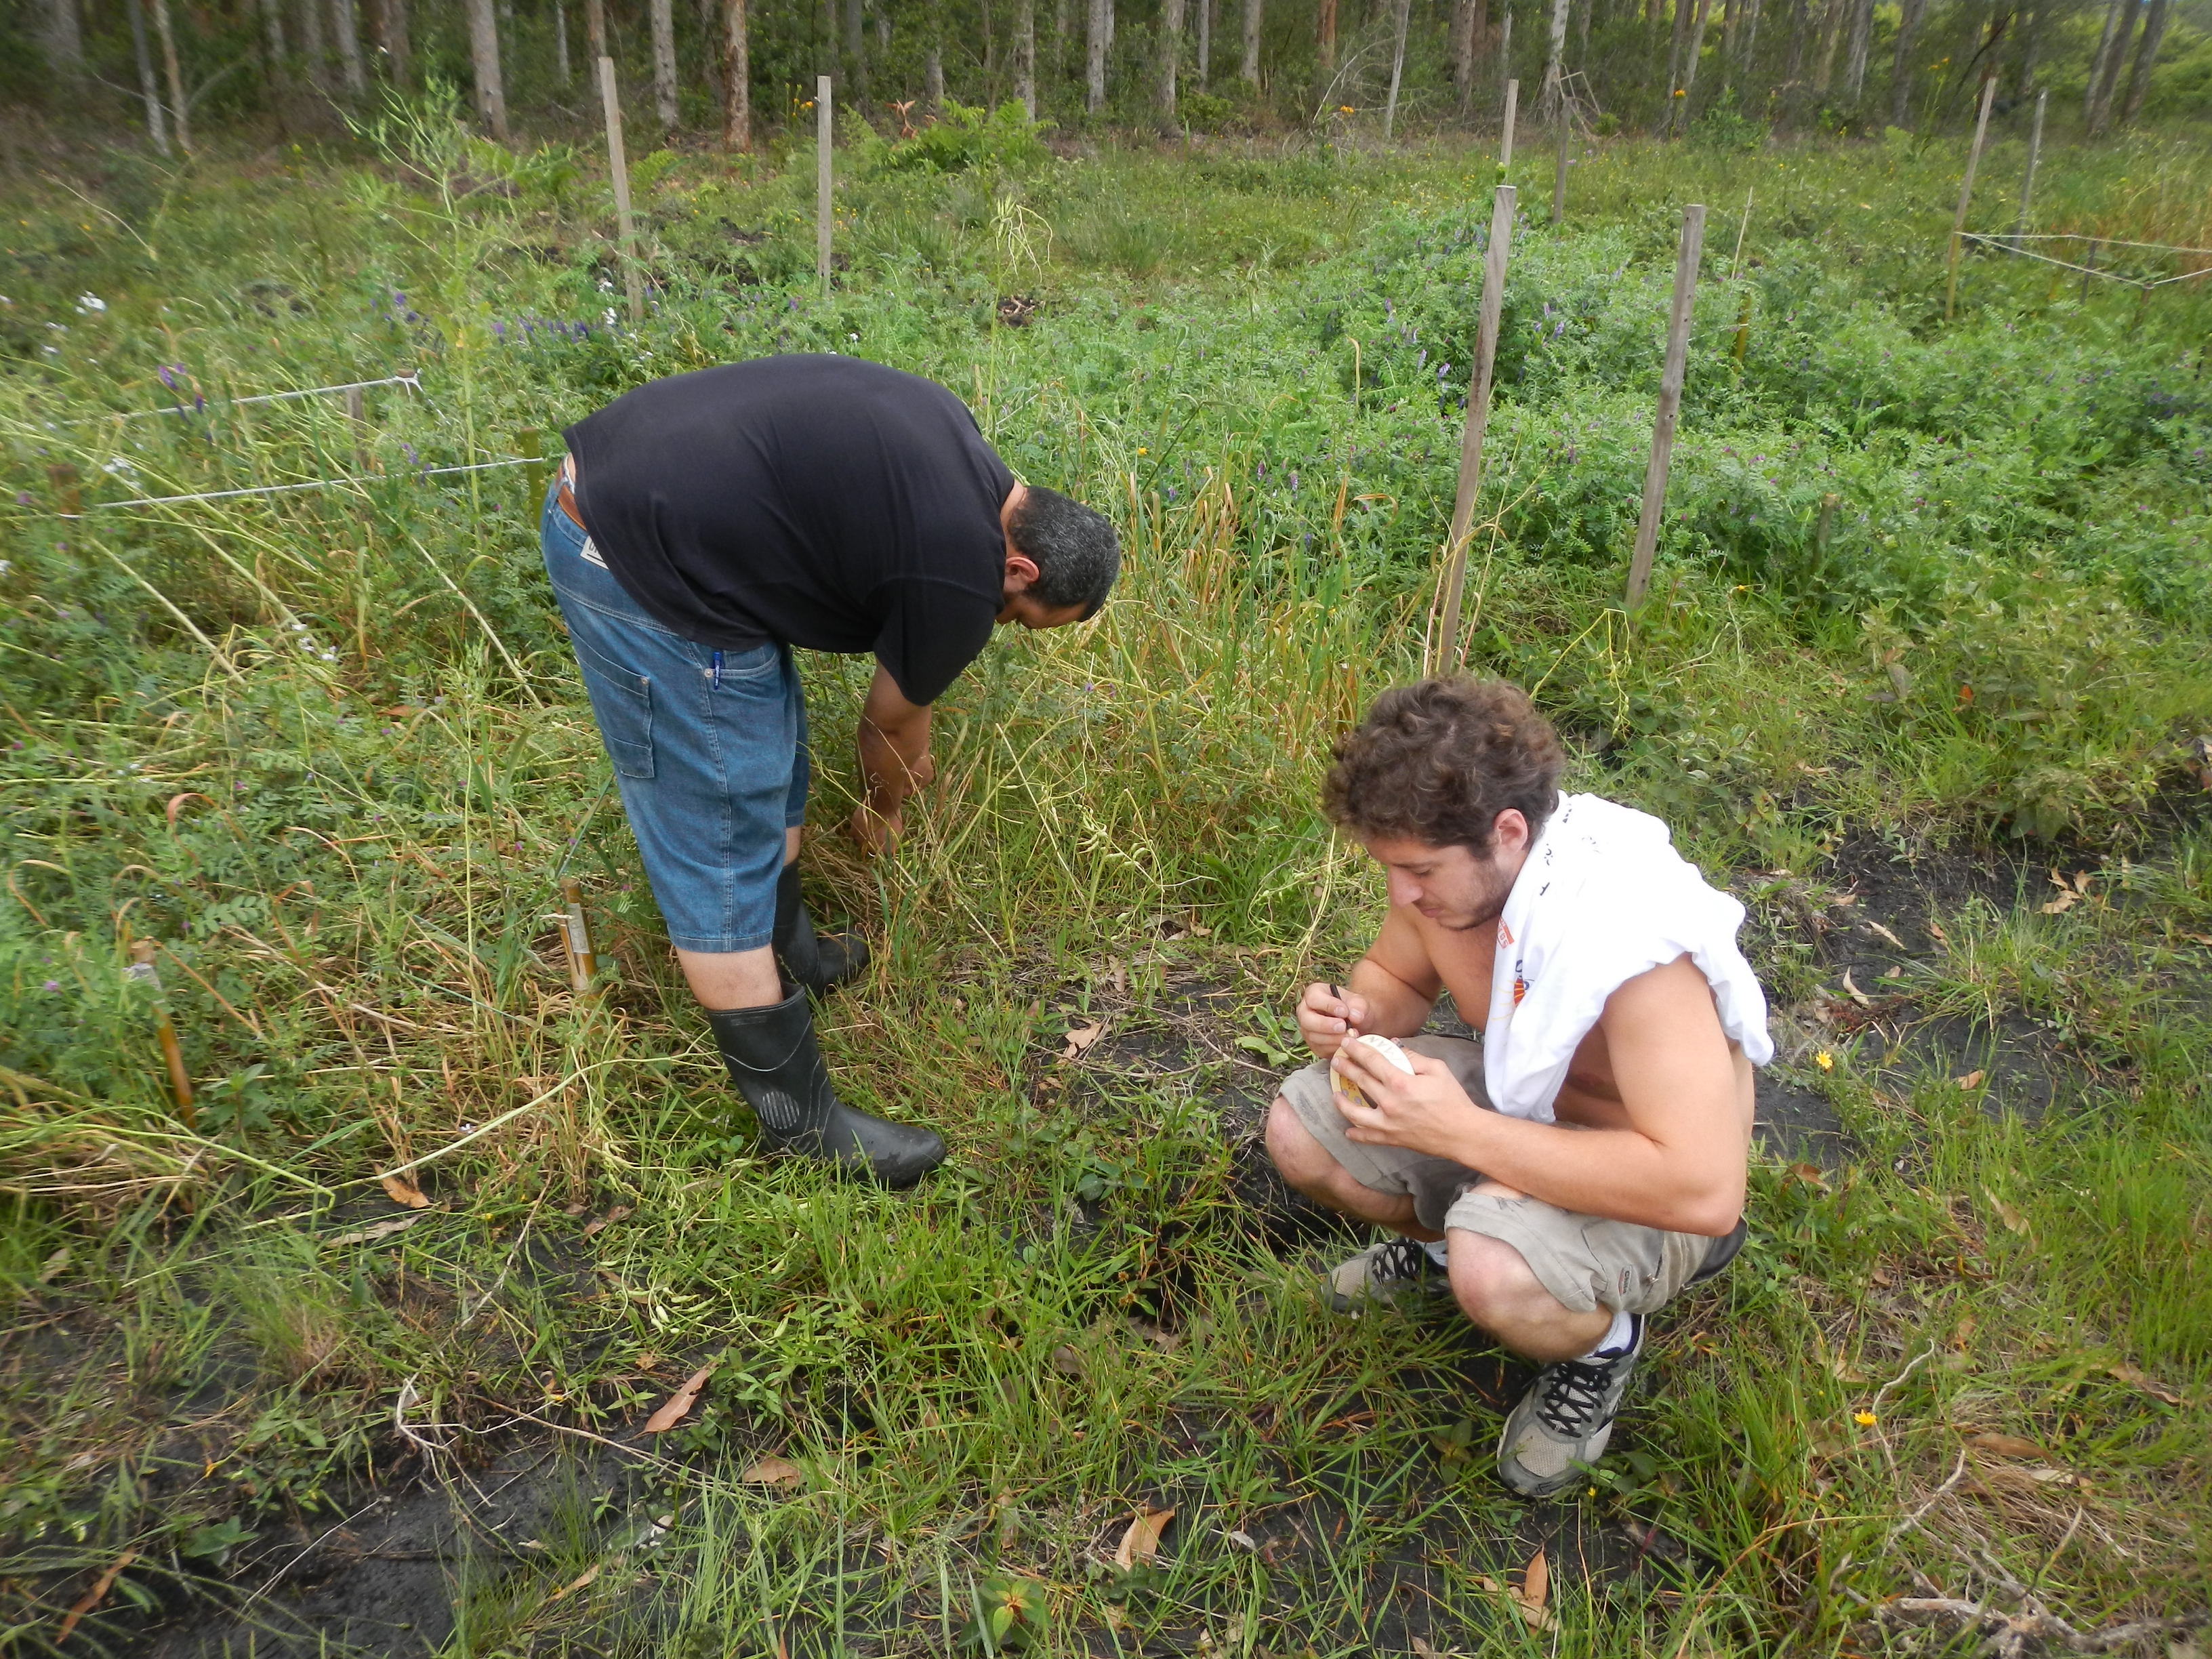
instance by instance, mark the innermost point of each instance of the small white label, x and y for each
(589, 553)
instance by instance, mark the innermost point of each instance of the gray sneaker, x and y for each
(1397, 1268)
(1563, 1423)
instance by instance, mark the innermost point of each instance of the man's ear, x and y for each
(1510, 830)
(1021, 573)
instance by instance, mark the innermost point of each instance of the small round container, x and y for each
(1382, 1046)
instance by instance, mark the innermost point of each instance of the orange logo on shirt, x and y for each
(1504, 936)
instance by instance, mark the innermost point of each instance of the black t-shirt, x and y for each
(821, 502)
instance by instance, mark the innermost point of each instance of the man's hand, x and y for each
(1428, 1112)
(877, 831)
(1328, 1014)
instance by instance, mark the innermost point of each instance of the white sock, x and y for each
(1618, 1335)
(1435, 1247)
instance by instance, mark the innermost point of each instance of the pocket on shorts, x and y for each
(621, 703)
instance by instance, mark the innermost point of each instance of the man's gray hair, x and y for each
(1077, 552)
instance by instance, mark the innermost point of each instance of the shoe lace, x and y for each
(1403, 1258)
(1574, 1391)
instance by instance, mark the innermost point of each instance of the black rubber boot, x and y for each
(773, 1060)
(819, 962)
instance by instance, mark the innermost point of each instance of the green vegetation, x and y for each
(328, 748)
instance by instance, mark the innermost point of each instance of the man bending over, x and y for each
(1577, 1169)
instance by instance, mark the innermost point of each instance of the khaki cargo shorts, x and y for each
(1585, 1262)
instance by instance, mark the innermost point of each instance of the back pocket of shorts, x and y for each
(621, 702)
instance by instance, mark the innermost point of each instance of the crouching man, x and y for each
(1573, 1172)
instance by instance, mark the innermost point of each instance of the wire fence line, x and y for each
(412, 379)
(309, 483)
(2009, 243)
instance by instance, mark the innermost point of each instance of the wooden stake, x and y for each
(1559, 168)
(165, 1030)
(1670, 401)
(2028, 183)
(576, 939)
(529, 444)
(1820, 531)
(1478, 422)
(356, 409)
(1505, 144)
(618, 167)
(1965, 194)
(822, 221)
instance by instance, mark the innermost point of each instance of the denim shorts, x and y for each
(712, 765)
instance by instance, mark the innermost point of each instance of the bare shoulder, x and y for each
(1399, 951)
(1672, 1003)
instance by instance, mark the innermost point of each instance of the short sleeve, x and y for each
(933, 630)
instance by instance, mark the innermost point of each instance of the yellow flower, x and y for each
(1681, 92)
(1824, 1060)
(1141, 450)
(1865, 1419)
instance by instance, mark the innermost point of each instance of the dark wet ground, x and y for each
(380, 1572)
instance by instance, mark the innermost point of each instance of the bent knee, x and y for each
(1297, 1155)
(1490, 1279)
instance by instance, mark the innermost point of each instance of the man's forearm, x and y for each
(1618, 1174)
(894, 761)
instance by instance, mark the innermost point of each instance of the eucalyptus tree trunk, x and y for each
(1468, 25)
(1696, 48)
(1170, 62)
(856, 50)
(313, 48)
(272, 41)
(1801, 18)
(392, 33)
(1398, 68)
(2102, 88)
(1205, 42)
(2113, 9)
(1249, 70)
(1094, 57)
(64, 38)
(1555, 52)
(157, 126)
(484, 50)
(345, 26)
(736, 78)
(1900, 68)
(1025, 55)
(661, 15)
(1832, 34)
(2146, 61)
(174, 74)
(1854, 65)
(1325, 39)
(564, 71)
(2031, 48)
(1682, 11)
(595, 35)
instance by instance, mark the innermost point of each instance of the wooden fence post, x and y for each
(356, 410)
(529, 444)
(1670, 403)
(618, 165)
(1965, 194)
(576, 939)
(1559, 168)
(821, 220)
(1478, 422)
(2028, 183)
(1505, 144)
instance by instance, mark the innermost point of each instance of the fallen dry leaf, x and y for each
(1066, 1361)
(1935, 931)
(400, 1190)
(2059, 906)
(576, 1583)
(376, 1229)
(2013, 1219)
(679, 1403)
(92, 1597)
(1535, 1589)
(2010, 1445)
(1809, 1175)
(1080, 1037)
(2135, 1379)
(52, 1267)
(1971, 1080)
(1142, 1541)
(600, 1223)
(1874, 927)
(772, 1472)
(1423, 1651)
(1857, 995)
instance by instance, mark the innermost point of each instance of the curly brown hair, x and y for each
(1438, 761)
